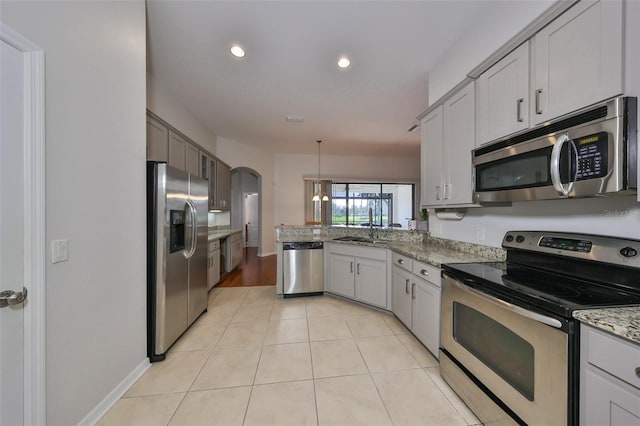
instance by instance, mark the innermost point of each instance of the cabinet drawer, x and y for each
(401, 261)
(427, 272)
(625, 365)
(214, 245)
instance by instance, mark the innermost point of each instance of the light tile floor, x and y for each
(255, 359)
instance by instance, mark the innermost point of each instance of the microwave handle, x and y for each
(554, 166)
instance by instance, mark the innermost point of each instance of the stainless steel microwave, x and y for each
(588, 153)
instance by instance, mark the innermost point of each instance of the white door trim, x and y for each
(34, 219)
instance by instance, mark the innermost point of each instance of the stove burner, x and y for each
(542, 288)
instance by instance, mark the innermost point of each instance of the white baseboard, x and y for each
(109, 401)
(263, 254)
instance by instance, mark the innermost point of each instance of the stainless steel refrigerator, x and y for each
(177, 235)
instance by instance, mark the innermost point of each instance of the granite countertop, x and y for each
(216, 234)
(428, 252)
(622, 322)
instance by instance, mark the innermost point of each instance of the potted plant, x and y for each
(423, 224)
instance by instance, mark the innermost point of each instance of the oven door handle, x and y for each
(511, 307)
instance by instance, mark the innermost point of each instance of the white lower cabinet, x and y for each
(609, 379)
(213, 264)
(359, 273)
(416, 299)
(401, 301)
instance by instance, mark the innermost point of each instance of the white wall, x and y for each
(238, 154)
(163, 104)
(290, 169)
(95, 194)
(502, 21)
(618, 217)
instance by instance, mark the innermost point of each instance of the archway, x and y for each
(245, 181)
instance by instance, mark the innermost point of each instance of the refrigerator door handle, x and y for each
(194, 229)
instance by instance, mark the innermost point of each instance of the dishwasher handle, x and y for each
(305, 245)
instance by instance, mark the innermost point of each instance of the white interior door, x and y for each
(12, 231)
(251, 217)
(22, 227)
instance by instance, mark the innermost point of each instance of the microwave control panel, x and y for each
(592, 156)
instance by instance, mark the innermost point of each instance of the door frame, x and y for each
(34, 220)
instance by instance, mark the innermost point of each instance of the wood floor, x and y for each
(253, 271)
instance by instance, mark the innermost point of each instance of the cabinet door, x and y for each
(177, 149)
(431, 158)
(459, 140)
(212, 183)
(577, 59)
(192, 159)
(503, 101)
(607, 401)
(341, 274)
(371, 281)
(401, 295)
(223, 190)
(157, 140)
(426, 314)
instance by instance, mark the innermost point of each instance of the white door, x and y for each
(251, 218)
(22, 246)
(12, 241)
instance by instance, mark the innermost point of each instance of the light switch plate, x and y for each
(59, 251)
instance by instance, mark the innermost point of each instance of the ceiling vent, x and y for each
(295, 118)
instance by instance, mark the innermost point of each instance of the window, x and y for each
(392, 205)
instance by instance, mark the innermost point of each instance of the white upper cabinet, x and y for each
(431, 155)
(503, 96)
(577, 59)
(447, 138)
(459, 140)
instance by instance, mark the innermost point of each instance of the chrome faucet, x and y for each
(370, 223)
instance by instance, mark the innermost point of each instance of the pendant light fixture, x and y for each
(319, 195)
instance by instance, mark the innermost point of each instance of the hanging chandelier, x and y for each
(319, 195)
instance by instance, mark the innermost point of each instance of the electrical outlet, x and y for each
(59, 251)
(480, 234)
(316, 232)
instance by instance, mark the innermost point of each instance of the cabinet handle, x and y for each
(358, 269)
(538, 109)
(519, 110)
(437, 192)
(352, 267)
(413, 290)
(424, 272)
(446, 193)
(401, 261)
(406, 286)
(638, 372)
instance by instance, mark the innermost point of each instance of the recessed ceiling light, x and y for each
(344, 62)
(237, 51)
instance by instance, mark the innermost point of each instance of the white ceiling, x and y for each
(290, 68)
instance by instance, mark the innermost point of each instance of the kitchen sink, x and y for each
(361, 240)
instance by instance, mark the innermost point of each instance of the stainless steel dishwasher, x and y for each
(303, 268)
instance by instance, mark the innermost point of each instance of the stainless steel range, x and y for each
(509, 344)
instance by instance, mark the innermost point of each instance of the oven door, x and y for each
(518, 355)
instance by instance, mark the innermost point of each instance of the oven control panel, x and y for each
(566, 244)
(600, 248)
